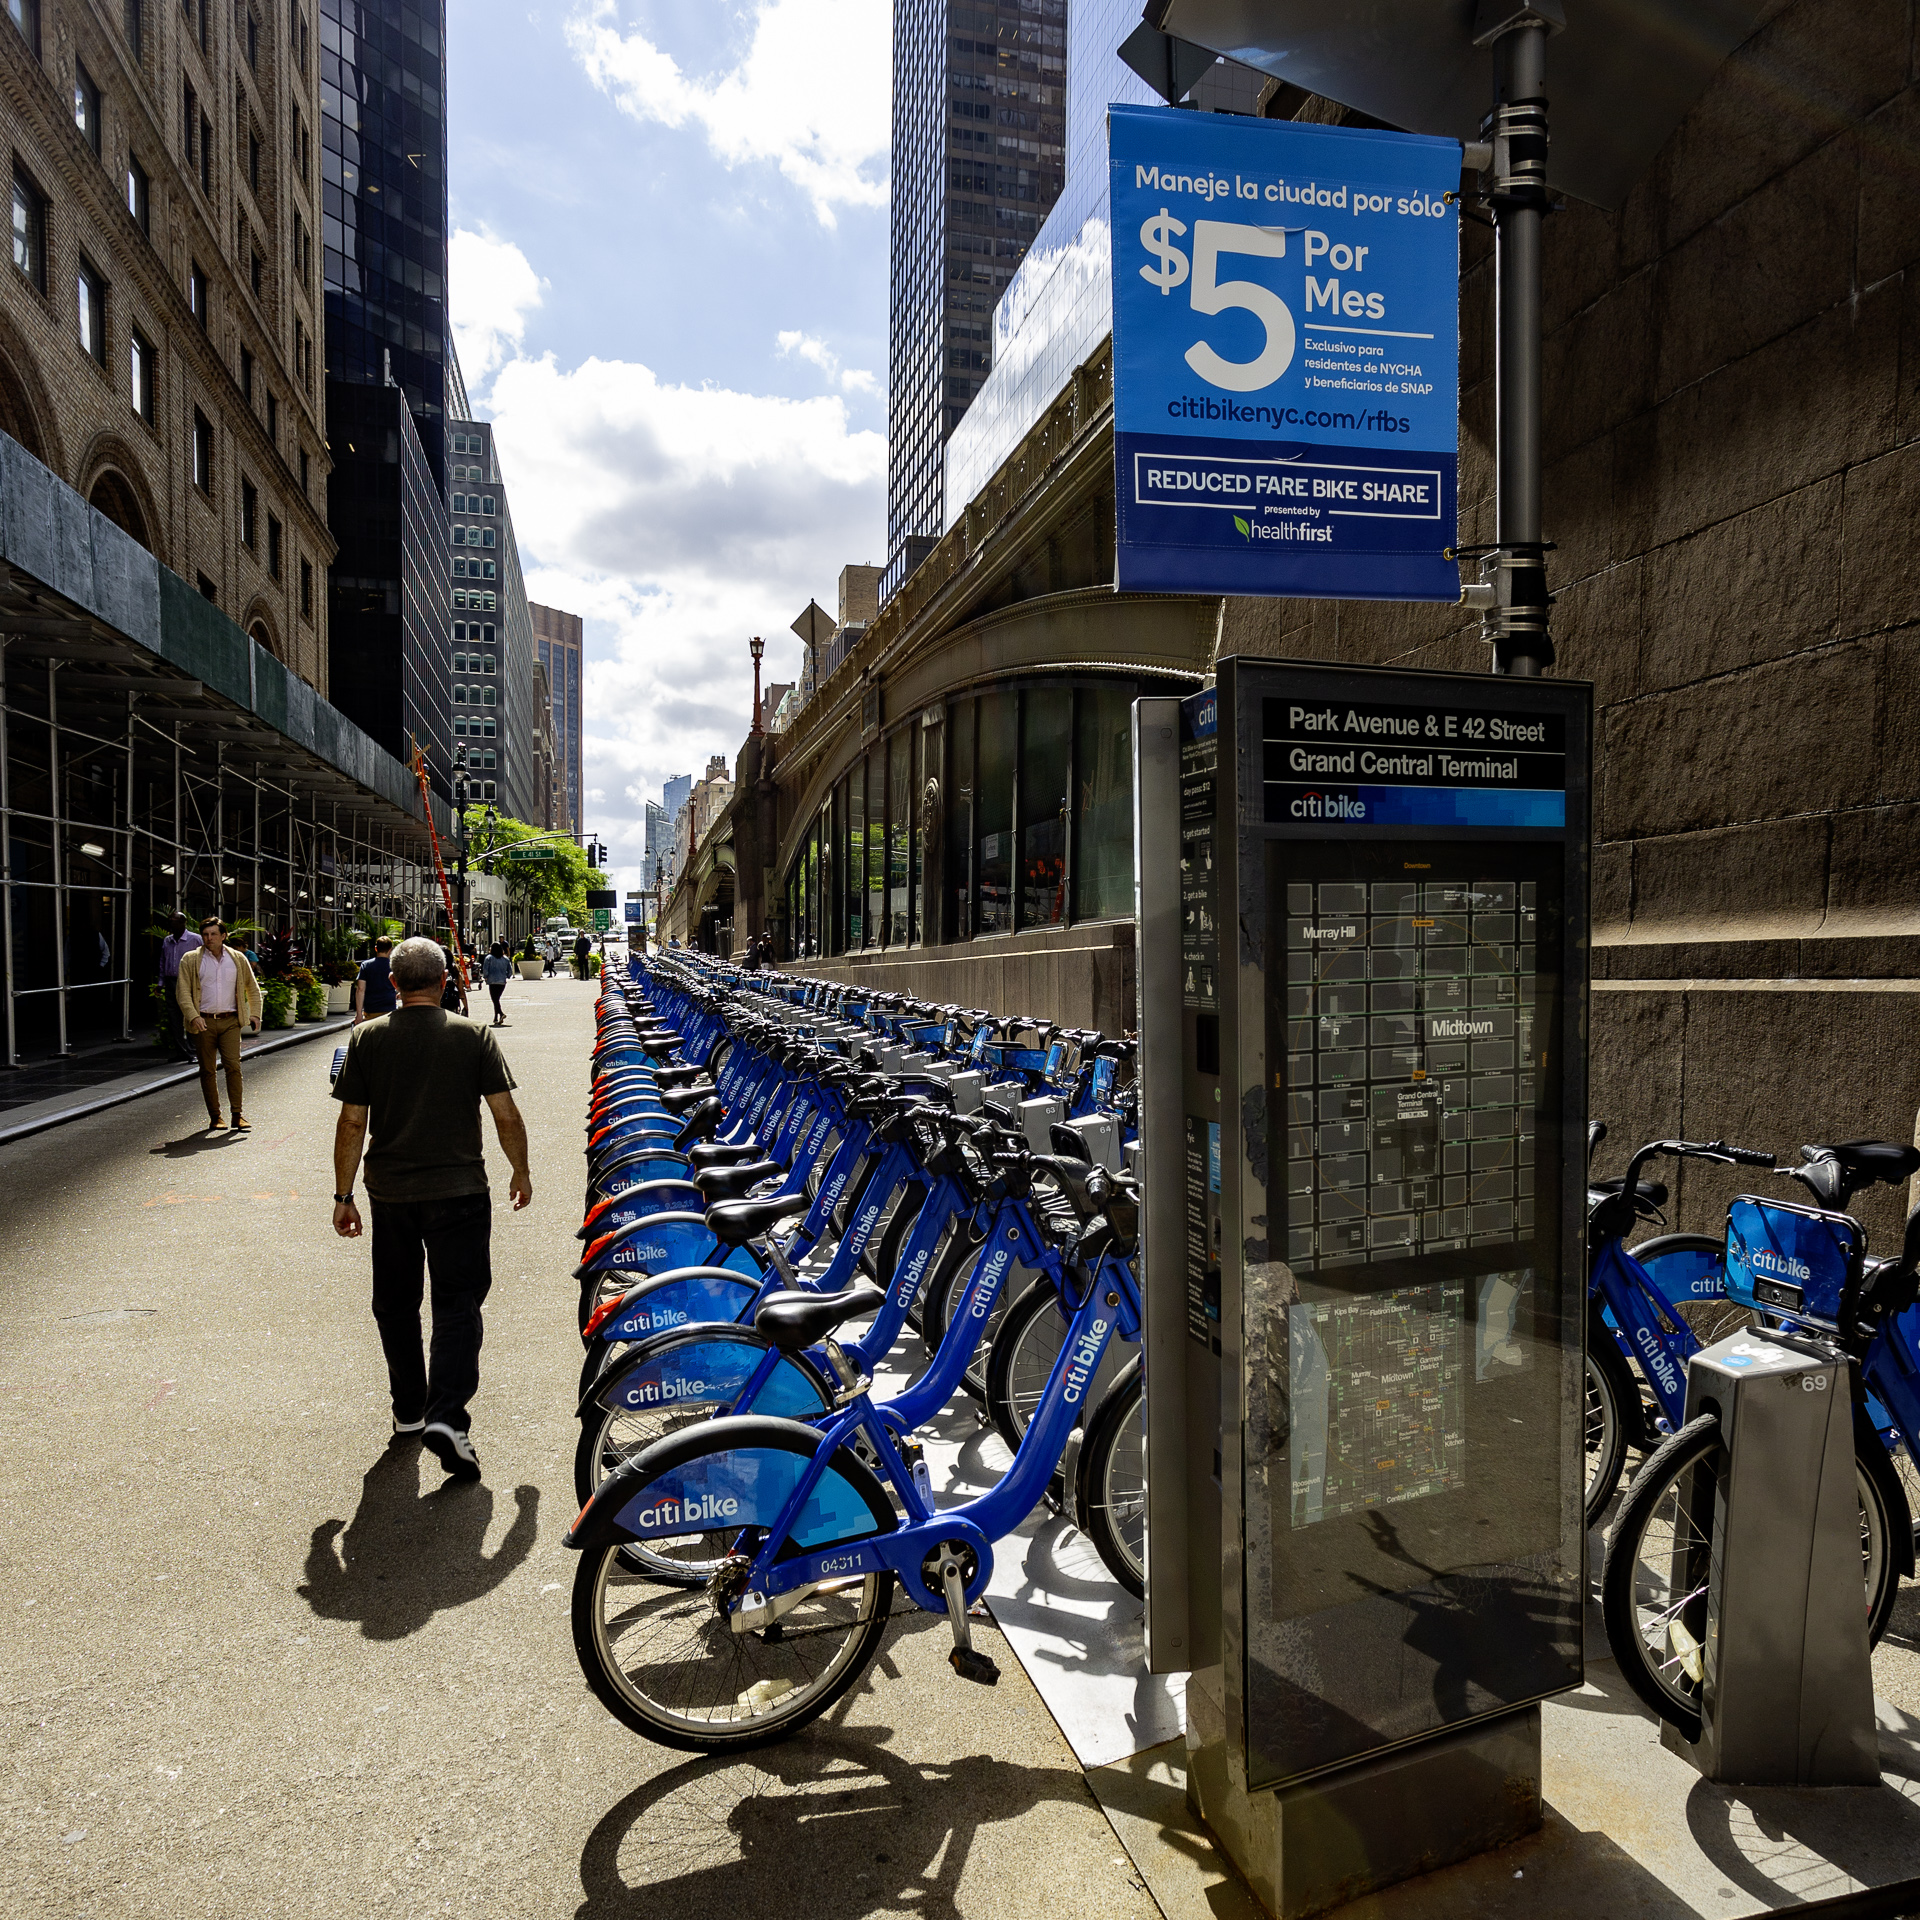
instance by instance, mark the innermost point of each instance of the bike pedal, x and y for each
(970, 1664)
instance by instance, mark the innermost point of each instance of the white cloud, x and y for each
(796, 345)
(677, 521)
(493, 290)
(811, 93)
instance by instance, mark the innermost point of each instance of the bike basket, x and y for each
(1793, 1260)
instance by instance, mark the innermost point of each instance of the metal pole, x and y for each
(126, 956)
(1517, 127)
(54, 771)
(6, 857)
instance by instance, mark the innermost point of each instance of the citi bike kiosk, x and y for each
(1363, 959)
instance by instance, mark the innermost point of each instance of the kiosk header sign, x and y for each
(1286, 357)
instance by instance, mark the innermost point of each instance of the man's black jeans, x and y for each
(454, 1239)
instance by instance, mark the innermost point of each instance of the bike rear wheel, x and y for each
(666, 1662)
(1610, 1401)
(1020, 1361)
(1654, 1596)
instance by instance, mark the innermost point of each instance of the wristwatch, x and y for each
(343, 1199)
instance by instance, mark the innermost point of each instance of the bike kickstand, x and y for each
(968, 1663)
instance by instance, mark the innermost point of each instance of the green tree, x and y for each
(544, 887)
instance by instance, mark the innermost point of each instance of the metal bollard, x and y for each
(1787, 1695)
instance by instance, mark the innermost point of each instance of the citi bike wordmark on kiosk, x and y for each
(1286, 357)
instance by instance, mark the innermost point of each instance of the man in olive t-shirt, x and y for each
(418, 1076)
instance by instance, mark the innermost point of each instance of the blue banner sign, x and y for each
(1286, 318)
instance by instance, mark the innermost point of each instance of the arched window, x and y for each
(113, 494)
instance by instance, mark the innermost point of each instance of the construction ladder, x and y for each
(419, 764)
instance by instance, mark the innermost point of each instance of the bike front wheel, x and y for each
(1610, 1394)
(1654, 1596)
(1111, 1491)
(665, 1661)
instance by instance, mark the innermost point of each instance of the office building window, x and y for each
(993, 812)
(86, 107)
(130, 15)
(488, 666)
(246, 374)
(202, 453)
(486, 506)
(257, 275)
(486, 696)
(273, 418)
(459, 725)
(189, 124)
(303, 469)
(206, 156)
(273, 547)
(306, 589)
(253, 38)
(25, 14)
(1103, 802)
(459, 696)
(140, 371)
(139, 196)
(486, 632)
(208, 591)
(253, 158)
(91, 298)
(487, 790)
(249, 513)
(197, 293)
(29, 229)
(489, 758)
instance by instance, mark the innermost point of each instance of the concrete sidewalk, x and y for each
(152, 1075)
(256, 1661)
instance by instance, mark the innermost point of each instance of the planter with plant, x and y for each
(279, 998)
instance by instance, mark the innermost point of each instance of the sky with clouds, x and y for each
(669, 291)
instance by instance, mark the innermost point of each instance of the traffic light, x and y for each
(593, 853)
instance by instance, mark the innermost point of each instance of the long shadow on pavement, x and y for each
(200, 1141)
(832, 1821)
(406, 1556)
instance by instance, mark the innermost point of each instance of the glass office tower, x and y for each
(979, 157)
(384, 230)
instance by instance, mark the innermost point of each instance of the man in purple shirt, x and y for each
(178, 943)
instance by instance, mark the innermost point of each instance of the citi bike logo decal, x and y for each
(1779, 1266)
(695, 1511)
(1329, 806)
(1086, 1353)
(1656, 1359)
(652, 1320)
(657, 1393)
(632, 1256)
(990, 1273)
(910, 1280)
(831, 1198)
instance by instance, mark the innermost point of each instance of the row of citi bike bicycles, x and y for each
(769, 1213)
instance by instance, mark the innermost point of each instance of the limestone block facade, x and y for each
(160, 323)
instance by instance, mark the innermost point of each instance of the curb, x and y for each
(99, 1104)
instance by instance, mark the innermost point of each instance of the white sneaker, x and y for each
(453, 1448)
(406, 1429)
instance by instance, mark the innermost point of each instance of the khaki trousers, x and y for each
(221, 1031)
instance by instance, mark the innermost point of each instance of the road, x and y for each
(257, 1661)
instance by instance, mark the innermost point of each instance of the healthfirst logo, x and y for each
(1327, 806)
(698, 1510)
(661, 1393)
(1085, 1357)
(1779, 1266)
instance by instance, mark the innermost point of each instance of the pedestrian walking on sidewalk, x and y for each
(453, 992)
(373, 992)
(220, 999)
(418, 1078)
(582, 946)
(173, 949)
(498, 970)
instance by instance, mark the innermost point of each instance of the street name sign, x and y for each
(1286, 318)
(530, 853)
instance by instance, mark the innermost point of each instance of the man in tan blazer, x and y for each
(219, 997)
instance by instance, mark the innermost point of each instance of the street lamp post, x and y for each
(460, 829)
(756, 646)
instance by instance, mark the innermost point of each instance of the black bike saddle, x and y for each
(734, 1222)
(795, 1320)
(1652, 1192)
(1833, 1174)
(735, 1183)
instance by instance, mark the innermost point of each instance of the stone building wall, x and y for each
(1732, 400)
(75, 411)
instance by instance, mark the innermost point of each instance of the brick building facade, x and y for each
(157, 332)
